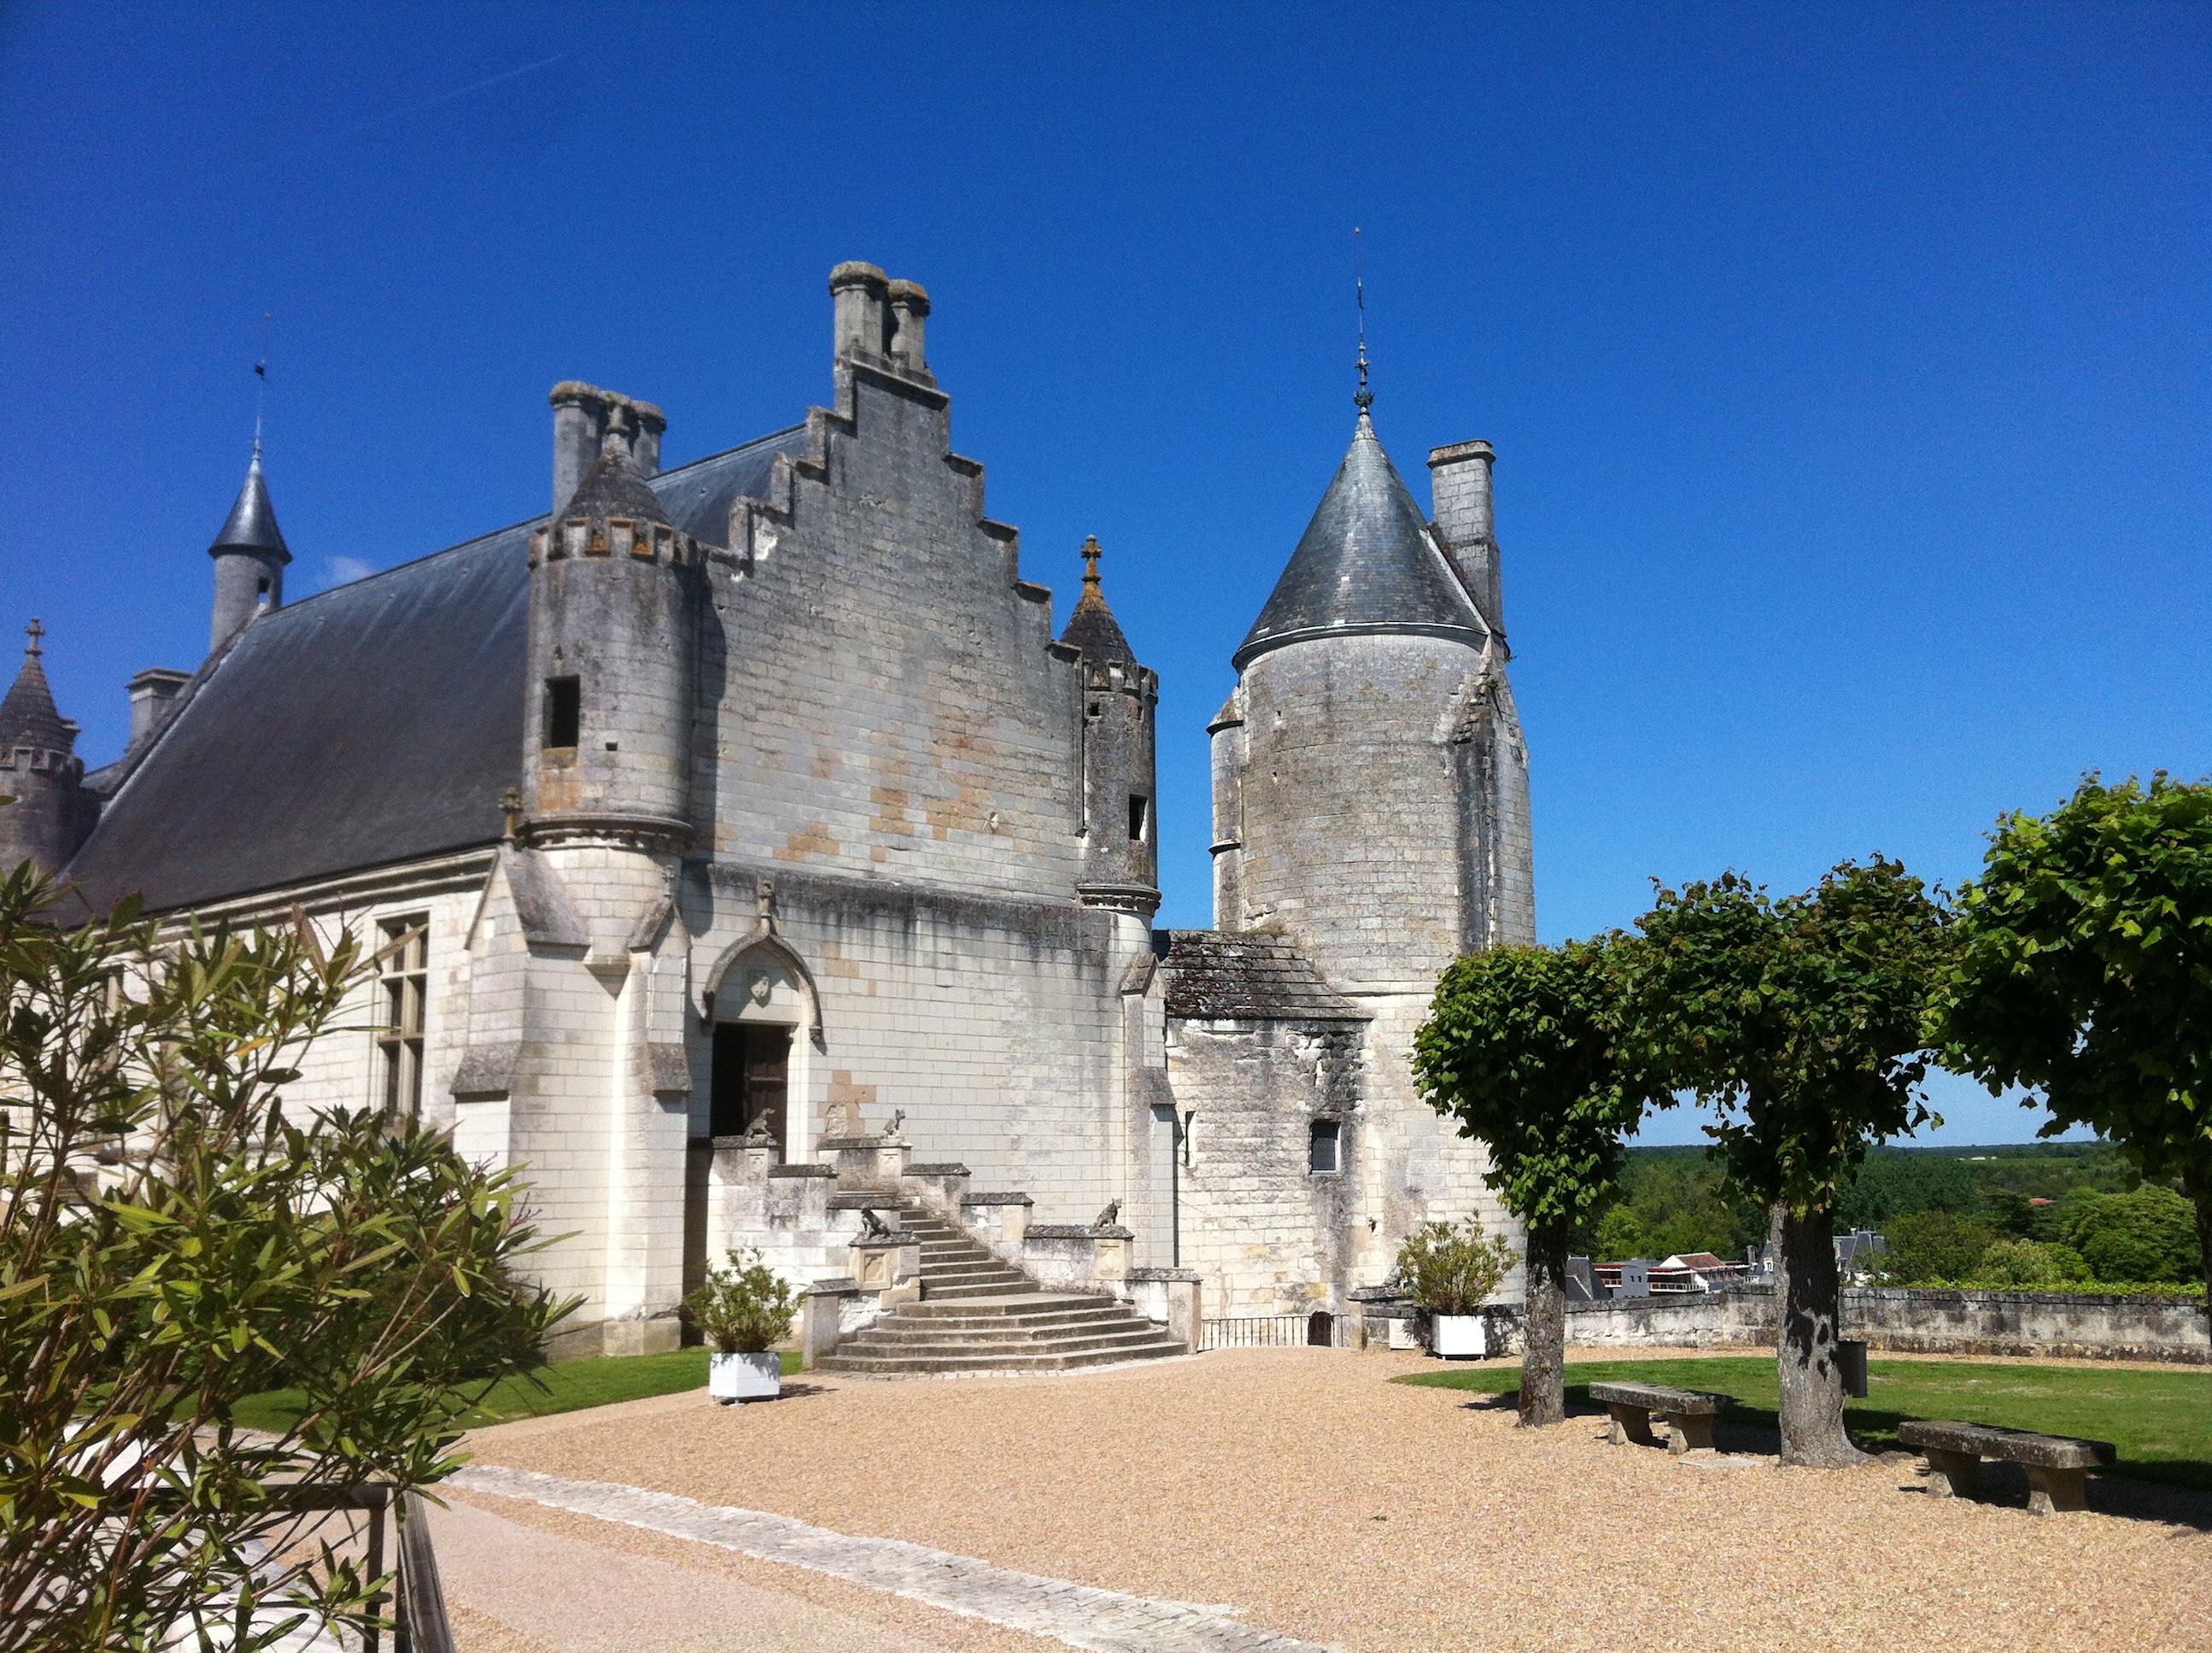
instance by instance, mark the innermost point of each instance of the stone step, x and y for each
(984, 1325)
(952, 1365)
(876, 1343)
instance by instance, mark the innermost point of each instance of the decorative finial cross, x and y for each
(35, 631)
(1090, 556)
(510, 804)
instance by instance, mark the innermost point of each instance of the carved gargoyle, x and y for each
(1108, 1217)
(873, 1227)
(898, 1118)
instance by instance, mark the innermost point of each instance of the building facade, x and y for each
(759, 801)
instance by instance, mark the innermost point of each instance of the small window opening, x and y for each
(564, 711)
(1322, 1146)
(1139, 810)
(403, 978)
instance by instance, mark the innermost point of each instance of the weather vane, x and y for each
(261, 382)
(1365, 398)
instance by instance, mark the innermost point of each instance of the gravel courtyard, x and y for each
(1329, 1504)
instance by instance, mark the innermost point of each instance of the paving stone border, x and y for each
(1103, 1620)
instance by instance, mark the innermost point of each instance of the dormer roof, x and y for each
(1367, 564)
(252, 524)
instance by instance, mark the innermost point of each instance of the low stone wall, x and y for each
(1911, 1320)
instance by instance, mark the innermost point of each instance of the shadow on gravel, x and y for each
(2139, 1492)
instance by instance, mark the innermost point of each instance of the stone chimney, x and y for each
(1460, 476)
(583, 415)
(862, 292)
(153, 699)
(909, 307)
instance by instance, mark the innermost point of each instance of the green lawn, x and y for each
(570, 1386)
(2161, 1421)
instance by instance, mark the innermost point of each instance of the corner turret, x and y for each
(250, 558)
(40, 771)
(613, 614)
(1121, 833)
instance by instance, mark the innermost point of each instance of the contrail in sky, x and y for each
(461, 91)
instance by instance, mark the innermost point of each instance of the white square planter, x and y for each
(733, 1377)
(1459, 1337)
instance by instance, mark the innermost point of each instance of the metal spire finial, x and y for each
(35, 631)
(1090, 556)
(261, 382)
(1365, 398)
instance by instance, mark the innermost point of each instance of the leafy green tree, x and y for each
(1928, 1246)
(1891, 1184)
(2031, 1262)
(1670, 1200)
(2148, 1237)
(1519, 1047)
(1799, 1021)
(171, 1242)
(2085, 973)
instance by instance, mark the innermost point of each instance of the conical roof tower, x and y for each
(1367, 564)
(40, 772)
(250, 558)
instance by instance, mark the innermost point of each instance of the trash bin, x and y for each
(1850, 1361)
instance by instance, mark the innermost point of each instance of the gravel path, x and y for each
(1331, 1506)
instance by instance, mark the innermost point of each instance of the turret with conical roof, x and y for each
(250, 558)
(1370, 789)
(40, 771)
(1121, 833)
(614, 617)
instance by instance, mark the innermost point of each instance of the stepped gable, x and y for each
(372, 724)
(1215, 975)
(1367, 564)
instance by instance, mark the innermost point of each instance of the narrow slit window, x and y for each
(403, 981)
(1140, 810)
(1322, 1143)
(564, 711)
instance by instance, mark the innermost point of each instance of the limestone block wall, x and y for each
(879, 686)
(992, 1025)
(1350, 803)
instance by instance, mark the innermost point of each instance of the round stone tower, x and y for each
(614, 594)
(1121, 835)
(40, 772)
(1354, 810)
(250, 559)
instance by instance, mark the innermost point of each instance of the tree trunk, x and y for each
(1544, 1329)
(1810, 1299)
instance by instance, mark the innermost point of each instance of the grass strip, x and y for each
(2161, 1421)
(566, 1386)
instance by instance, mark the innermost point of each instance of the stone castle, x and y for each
(738, 834)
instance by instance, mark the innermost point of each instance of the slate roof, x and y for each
(1366, 564)
(252, 524)
(28, 716)
(372, 724)
(1092, 628)
(1218, 975)
(613, 488)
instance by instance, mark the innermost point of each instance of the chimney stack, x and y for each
(861, 292)
(582, 415)
(1460, 477)
(153, 697)
(909, 305)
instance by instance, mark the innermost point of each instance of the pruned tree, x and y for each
(1519, 1047)
(171, 1242)
(1799, 1021)
(2085, 973)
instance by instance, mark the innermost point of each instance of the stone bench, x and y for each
(2055, 1464)
(1689, 1413)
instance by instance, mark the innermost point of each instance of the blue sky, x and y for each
(1847, 365)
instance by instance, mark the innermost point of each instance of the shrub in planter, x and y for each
(742, 1310)
(1450, 1271)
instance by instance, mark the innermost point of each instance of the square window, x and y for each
(1323, 1146)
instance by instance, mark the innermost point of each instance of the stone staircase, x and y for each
(979, 1314)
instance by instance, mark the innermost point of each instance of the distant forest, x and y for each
(1676, 1200)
